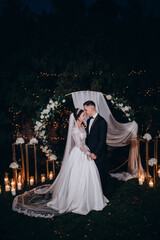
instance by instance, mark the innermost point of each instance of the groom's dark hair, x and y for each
(89, 103)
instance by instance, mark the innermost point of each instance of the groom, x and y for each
(96, 138)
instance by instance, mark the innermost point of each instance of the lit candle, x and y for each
(151, 183)
(0, 189)
(6, 178)
(7, 187)
(50, 175)
(158, 172)
(43, 178)
(19, 177)
(12, 183)
(13, 191)
(140, 181)
(31, 180)
(19, 185)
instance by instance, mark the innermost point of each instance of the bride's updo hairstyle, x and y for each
(77, 113)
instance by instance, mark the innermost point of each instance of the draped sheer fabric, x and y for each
(118, 135)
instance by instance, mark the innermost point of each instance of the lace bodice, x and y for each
(79, 136)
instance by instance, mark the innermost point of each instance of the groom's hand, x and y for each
(93, 156)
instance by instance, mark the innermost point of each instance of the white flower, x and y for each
(152, 161)
(63, 101)
(42, 133)
(147, 137)
(36, 128)
(109, 97)
(13, 165)
(123, 109)
(112, 101)
(127, 114)
(20, 140)
(45, 111)
(53, 157)
(48, 106)
(50, 101)
(126, 108)
(56, 102)
(52, 106)
(121, 104)
(41, 116)
(39, 124)
(129, 119)
(33, 141)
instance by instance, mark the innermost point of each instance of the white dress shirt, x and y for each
(92, 120)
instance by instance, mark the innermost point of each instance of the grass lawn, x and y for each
(133, 213)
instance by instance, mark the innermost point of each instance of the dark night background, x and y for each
(54, 47)
(66, 45)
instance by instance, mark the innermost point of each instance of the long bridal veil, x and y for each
(35, 202)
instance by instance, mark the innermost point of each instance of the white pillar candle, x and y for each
(31, 180)
(7, 187)
(13, 191)
(19, 185)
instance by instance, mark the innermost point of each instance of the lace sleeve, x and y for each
(78, 142)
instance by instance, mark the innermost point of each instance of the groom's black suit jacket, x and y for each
(96, 141)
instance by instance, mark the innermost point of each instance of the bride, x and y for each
(77, 187)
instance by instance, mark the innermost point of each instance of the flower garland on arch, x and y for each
(52, 108)
(121, 104)
(40, 126)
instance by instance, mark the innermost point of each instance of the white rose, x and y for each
(109, 97)
(33, 141)
(48, 106)
(152, 161)
(20, 140)
(39, 124)
(53, 157)
(53, 105)
(147, 137)
(36, 128)
(13, 165)
(126, 108)
(50, 101)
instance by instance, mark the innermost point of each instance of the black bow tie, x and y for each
(90, 118)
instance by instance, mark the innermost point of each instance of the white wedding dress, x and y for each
(76, 189)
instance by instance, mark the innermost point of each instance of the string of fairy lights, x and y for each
(149, 92)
